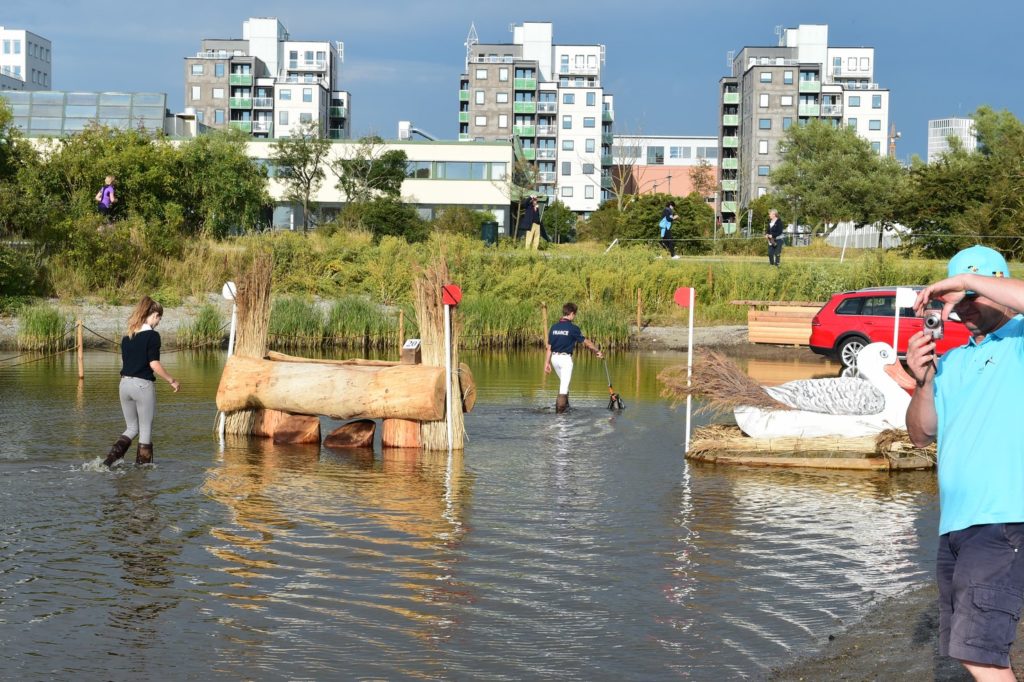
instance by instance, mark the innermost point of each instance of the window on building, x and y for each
(787, 122)
(591, 99)
(218, 69)
(786, 100)
(17, 47)
(865, 64)
(218, 93)
(307, 94)
(567, 191)
(591, 144)
(478, 96)
(762, 170)
(567, 123)
(563, 63)
(764, 123)
(588, 192)
(305, 117)
(503, 74)
(481, 74)
(787, 77)
(321, 56)
(282, 118)
(875, 124)
(675, 152)
(877, 147)
(503, 120)
(284, 94)
(876, 101)
(197, 69)
(762, 146)
(589, 122)
(480, 120)
(568, 98)
(568, 145)
(762, 100)
(588, 169)
(567, 168)
(218, 116)
(761, 191)
(837, 65)
(766, 76)
(851, 63)
(851, 122)
(501, 97)
(200, 116)
(655, 156)
(854, 100)
(197, 92)
(7, 48)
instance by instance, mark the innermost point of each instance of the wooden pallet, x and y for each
(780, 322)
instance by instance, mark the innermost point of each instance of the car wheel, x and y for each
(849, 348)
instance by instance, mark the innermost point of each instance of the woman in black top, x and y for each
(668, 216)
(140, 365)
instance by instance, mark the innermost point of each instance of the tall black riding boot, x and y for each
(144, 454)
(117, 450)
(561, 403)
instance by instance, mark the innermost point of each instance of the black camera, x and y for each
(933, 324)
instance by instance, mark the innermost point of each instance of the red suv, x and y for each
(853, 319)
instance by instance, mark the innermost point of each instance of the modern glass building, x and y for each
(55, 113)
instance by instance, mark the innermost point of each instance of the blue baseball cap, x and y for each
(978, 260)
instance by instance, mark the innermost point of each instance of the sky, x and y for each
(663, 61)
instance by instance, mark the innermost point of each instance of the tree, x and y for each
(221, 187)
(387, 216)
(517, 185)
(639, 220)
(830, 174)
(628, 174)
(703, 178)
(367, 171)
(300, 160)
(559, 222)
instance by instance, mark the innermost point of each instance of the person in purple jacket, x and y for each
(105, 199)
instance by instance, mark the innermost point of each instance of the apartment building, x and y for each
(941, 129)
(666, 164)
(24, 57)
(774, 87)
(549, 100)
(267, 84)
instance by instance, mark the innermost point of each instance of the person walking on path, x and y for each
(775, 238)
(969, 401)
(105, 199)
(140, 365)
(668, 216)
(562, 340)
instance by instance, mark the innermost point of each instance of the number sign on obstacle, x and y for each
(451, 294)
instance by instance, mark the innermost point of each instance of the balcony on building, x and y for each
(831, 109)
(529, 153)
(606, 180)
(606, 159)
(730, 98)
(525, 83)
(731, 141)
(524, 107)
(607, 138)
(729, 185)
(730, 164)
(524, 131)
(547, 131)
(728, 207)
(809, 86)
(240, 102)
(337, 112)
(809, 110)
(245, 126)
(240, 79)
(464, 137)
(463, 95)
(607, 116)
(546, 177)
(336, 134)
(463, 117)
(728, 227)
(547, 107)
(262, 102)
(262, 126)
(730, 119)
(547, 153)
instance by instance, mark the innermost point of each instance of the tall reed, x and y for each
(207, 329)
(43, 328)
(356, 322)
(296, 323)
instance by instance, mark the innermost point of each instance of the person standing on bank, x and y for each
(969, 400)
(775, 238)
(105, 199)
(140, 365)
(562, 340)
(668, 216)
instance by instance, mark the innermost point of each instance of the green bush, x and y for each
(18, 268)
(207, 329)
(42, 327)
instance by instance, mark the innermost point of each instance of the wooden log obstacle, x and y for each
(786, 323)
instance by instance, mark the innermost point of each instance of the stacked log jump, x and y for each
(785, 323)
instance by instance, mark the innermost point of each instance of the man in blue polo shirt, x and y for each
(562, 340)
(970, 401)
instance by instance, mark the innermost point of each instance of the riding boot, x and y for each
(144, 454)
(117, 450)
(561, 403)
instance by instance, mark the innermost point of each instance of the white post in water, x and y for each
(684, 296)
(229, 292)
(905, 297)
(448, 372)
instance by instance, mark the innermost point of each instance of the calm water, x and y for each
(571, 547)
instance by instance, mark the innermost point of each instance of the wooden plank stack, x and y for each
(780, 322)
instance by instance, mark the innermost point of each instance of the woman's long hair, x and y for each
(143, 310)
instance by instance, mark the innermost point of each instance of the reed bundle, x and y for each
(251, 332)
(430, 318)
(721, 384)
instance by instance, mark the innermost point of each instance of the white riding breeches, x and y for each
(562, 364)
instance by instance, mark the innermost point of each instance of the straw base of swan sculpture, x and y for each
(841, 407)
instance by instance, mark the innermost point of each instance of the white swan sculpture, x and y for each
(840, 407)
